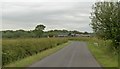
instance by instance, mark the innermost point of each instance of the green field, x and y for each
(25, 62)
(17, 49)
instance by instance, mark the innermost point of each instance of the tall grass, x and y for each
(106, 56)
(16, 49)
(101, 49)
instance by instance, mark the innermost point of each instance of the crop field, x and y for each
(16, 49)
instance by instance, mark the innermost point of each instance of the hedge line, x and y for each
(16, 49)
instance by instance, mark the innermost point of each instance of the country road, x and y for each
(75, 54)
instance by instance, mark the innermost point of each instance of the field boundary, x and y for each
(37, 57)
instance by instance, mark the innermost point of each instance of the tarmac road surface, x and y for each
(76, 54)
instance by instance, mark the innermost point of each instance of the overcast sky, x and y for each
(61, 14)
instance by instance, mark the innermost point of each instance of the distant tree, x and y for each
(86, 33)
(8, 34)
(69, 34)
(20, 33)
(76, 32)
(40, 27)
(106, 21)
(65, 31)
(21, 30)
(39, 30)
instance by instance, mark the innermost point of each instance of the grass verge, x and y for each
(37, 57)
(103, 57)
(101, 51)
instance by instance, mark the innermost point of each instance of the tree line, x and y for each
(38, 32)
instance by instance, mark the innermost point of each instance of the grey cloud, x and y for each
(70, 16)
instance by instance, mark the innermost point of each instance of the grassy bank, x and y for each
(37, 57)
(101, 51)
(17, 49)
(105, 58)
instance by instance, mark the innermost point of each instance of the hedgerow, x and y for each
(16, 49)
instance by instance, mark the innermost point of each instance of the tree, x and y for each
(105, 21)
(39, 30)
(8, 34)
(86, 32)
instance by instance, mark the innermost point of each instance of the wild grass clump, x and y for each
(16, 49)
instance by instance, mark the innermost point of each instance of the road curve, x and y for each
(74, 55)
